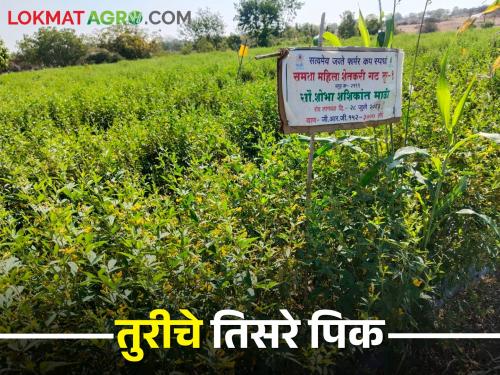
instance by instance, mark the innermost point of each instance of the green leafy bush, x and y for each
(49, 47)
(100, 56)
(4, 57)
(129, 42)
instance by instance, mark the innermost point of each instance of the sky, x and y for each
(310, 12)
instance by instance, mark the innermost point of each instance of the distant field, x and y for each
(449, 25)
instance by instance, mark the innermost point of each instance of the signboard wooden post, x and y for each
(327, 89)
(311, 140)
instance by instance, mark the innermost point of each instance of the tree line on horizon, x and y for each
(262, 23)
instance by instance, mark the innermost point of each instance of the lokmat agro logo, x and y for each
(93, 17)
(135, 17)
(118, 17)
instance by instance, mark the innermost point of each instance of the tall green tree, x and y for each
(263, 19)
(4, 57)
(206, 26)
(52, 47)
(373, 24)
(347, 27)
(128, 41)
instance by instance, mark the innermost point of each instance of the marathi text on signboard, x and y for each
(339, 88)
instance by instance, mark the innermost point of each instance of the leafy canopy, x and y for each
(347, 27)
(128, 41)
(263, 19)
(4, 57)
(52, 47)
(206, 25)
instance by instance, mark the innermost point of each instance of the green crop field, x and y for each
(165, 183)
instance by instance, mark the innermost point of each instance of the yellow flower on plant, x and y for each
(68, 251)
(138, 221)
(167, 287)
(417, 282)
(121, 310)
(224, 250)
(496, 64)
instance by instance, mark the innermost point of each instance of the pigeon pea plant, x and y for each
(450, 122)
(125, 188)
(439, 206)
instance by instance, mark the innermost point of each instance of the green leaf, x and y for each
(488, 220)
(460, 106)
(443, 94)
(306, 139)
(409, 150)
(492, 8)
(332, 38)
(389, 33)
(329, 143)
(105, 279)
(452, 196)
(245, 243)
(380, 39)
(438, 166)
(370, 174)
(461, 143)
(8, 264)
(323, 149)
(285, 141)
(363, 31)
(267, 285)
(495, 137)
(419, 176)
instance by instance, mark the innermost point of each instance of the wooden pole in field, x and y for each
(242, 53)
(311, 140)
(239, 68)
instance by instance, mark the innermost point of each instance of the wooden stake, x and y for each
(268, 55)
(241, 62)
(239, 69)
(310, 172)
(311, 140)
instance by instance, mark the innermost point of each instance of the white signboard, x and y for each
(324, 89)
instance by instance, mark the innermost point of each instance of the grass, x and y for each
(162, 184)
